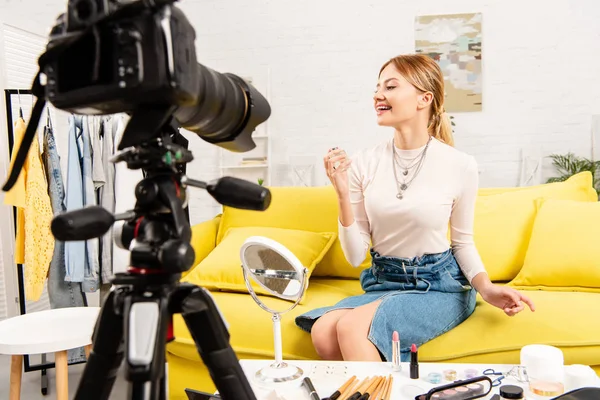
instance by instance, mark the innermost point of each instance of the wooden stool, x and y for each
(50, 331)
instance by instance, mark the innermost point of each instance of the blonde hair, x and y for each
(425, 74)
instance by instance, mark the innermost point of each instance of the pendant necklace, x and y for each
(407, 168)
(402, 186)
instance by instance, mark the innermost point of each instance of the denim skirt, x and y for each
(421, 298)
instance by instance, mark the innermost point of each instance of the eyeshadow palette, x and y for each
(467, 389)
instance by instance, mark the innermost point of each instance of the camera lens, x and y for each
(221, 105)
(227, 111)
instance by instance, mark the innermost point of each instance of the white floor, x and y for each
(31, 383)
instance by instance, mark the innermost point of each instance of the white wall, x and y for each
(541, 81)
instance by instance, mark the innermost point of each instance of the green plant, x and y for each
(260, 181)
(569, 164)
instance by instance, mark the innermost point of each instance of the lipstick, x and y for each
(414, 362)
(396, 352)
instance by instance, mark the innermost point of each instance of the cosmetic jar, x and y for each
(450, 375)
(434, 377)
(511, 392)
(546, 389)
(545, 369)
(470, 373)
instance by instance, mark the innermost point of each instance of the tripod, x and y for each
(135, 321)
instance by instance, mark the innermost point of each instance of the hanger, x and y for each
(48, 120)
(48, 127)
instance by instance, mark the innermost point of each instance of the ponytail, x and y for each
(441, 128)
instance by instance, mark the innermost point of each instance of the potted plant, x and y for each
(569, 164)
(260, 181)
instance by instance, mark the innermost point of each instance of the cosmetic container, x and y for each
(511, 392)
(545, 369)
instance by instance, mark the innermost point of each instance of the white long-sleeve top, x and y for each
(443, 193)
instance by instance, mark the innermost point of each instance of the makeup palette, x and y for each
(467, 389)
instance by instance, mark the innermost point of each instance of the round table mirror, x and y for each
(278, 271)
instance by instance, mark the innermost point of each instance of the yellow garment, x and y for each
(34, 242)
(16, 197)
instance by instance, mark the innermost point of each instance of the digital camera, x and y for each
(110, 57)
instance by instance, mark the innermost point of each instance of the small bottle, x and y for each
(511, 392)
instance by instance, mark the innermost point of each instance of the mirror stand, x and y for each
(278, 371)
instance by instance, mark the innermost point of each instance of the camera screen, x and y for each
(91, 62)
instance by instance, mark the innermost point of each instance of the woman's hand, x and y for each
(336, 165)
(509, 300)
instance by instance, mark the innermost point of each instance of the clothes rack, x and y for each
(44, 365)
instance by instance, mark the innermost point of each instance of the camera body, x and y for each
(139, 57)
(126, 57)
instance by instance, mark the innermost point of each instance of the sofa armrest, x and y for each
(204, 240)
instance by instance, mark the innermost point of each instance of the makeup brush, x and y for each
(388, 382)
(379, 388)
(338, 392)
(383, 389)
(361, 389)
(388, 392)
(367, 393)
(350, 389)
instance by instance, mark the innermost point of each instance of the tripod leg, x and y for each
(212, 341)
(106, 355)
(146, 323)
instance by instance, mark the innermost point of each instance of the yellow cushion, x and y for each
(204, 240)
(503, 222)
(221, 269)
(564, 249)
(312, 209)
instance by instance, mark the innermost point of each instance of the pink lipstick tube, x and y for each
(396, 366)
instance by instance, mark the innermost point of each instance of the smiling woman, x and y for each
(397, 199)
(403, 79)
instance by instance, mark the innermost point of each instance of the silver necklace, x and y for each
(404, 168)
(405, 184)
(418, 157)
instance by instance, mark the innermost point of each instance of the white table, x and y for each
(49, 331)
(403, 387)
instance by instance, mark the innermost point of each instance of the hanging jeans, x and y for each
(60, 292)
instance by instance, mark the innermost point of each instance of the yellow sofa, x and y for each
(512, 227)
